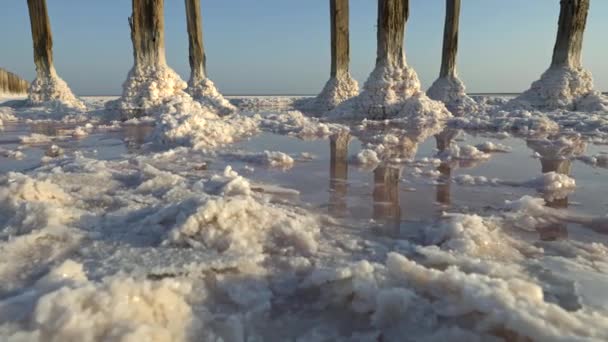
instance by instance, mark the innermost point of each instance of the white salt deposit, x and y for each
(163, 247)
(366, 157)
(35, 138)
(204, 91)
(391, 92)
(562, 88)
(491, 147)
(51, 91)
(70, 307)
(337, 90)
(466, 152)
(451, 91)
(266, 158)
(13, 154)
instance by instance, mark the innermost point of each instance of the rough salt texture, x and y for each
(562, 88)
(337, 90)
(204, 91)
(51, 91)
(149, 90)
(200, 128)
(391, 92)
(67, 306)
(451, 91)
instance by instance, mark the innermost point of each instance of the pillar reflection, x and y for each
(338, 173)
(387, 205)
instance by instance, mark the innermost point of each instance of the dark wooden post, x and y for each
(198, 59)
(148, 32)
(571, 26)
(392, 16)
(450, 39)
(42, 37)
(340, 45)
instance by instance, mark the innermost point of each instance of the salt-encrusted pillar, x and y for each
(566, 84)
(200, 87)
(47, 88)
(341, 86)
(338, 172)
(392, 89)
(151, 88)
(448, 88)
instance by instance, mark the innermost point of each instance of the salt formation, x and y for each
(566, 84)
(69, 307)
(48, 89)
(448, 88)
(152, 88)
(11, 83)
(200, 87)
(341, 86)
(392, 89)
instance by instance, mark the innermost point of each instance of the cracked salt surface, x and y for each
(117, 238)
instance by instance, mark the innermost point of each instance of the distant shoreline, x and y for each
(310, 95)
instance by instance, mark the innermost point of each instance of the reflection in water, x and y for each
(555, 156)
(386, 197)
(444, 185)
(338, 173)
(444, 140)
(135, 136)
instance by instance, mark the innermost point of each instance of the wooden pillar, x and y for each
(42, 37)
(392, 17)
(450, 39)
(571, 26)
(340, 44)
(148, 32)
(198, 59)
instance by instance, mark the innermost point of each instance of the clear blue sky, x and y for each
(282, 46)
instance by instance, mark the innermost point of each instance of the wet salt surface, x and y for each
(283, 287)
(355, 192)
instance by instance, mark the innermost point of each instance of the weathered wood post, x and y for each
(200, 86)
(392, 17)
(341, 86)
(148, 33)
(571, 26)
(11, 83)
(566, 84)
(47, 87)
(197, 57)
(42, 37)
(448, 88)
(450, 39)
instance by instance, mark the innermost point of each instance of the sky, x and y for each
(283, 46)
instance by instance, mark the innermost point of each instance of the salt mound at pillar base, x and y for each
(562, 88)
(451, 91)
(337, 90)
(154, 90)
(204, 91)
(389, 93)
(52, 91)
